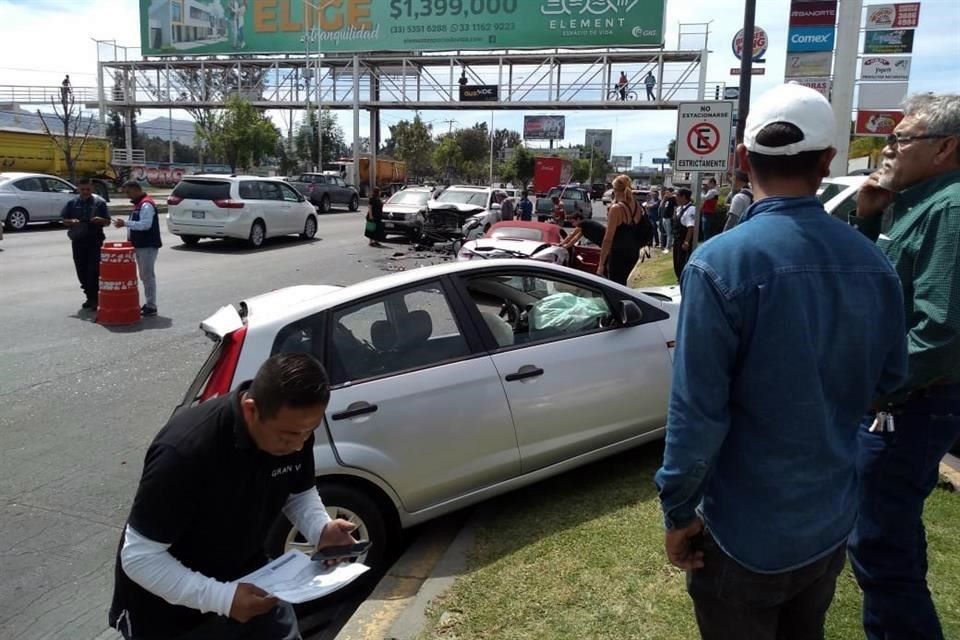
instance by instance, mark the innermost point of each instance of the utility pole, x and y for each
(746, 67)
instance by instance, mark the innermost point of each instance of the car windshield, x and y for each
(556, 191)
(828, 190)
(410, 197)
(476, 198)
(517, 233)
(202, 190)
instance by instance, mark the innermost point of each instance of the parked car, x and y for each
(839, 195)
(244, 207)
(531, 240)
(451, 384)
(608, 197)
(404, 213)
(575, 200)
(324, 190)
(597, 189)
(32, 197)
(479, 207)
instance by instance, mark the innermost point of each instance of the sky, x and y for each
(40, 40)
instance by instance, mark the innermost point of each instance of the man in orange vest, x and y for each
(143, 231)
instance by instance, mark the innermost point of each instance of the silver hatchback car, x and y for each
(454, 383)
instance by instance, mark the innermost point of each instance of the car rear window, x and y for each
(517, 233)
(202, 190)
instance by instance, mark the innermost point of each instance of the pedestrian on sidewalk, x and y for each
(710, 197)
(85, 217)
(898, 459)
(214, 480)
(668, 205)
(741, 200)
(374, 229)
(684, 222)
(143, 231)
(773, 369)
(622, 241)
(652, 207)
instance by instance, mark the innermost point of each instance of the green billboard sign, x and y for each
(204, 27)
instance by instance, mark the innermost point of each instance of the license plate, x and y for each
(199, 215)
(388, 225)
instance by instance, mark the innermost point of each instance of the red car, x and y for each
(534, 240)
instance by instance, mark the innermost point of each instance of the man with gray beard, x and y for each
(911, 208)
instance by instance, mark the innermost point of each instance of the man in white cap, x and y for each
(774, 368)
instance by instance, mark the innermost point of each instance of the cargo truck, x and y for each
(22, 150)
(549, 173)
(391, 174)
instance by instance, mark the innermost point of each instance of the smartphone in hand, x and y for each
(343, 552)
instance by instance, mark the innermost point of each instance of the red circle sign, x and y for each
(703, 138)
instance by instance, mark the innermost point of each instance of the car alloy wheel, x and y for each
(257, 234)
(325, 205)
(354, 203)
(309, 228)
(17, 219)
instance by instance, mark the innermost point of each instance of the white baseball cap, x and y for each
(803, 107)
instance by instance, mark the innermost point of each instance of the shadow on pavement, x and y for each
(149, 323)
(239, 247)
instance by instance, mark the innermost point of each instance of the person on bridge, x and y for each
(650, 82)
(920, 184)
(66, 89)
(143, 231)
(622, 85)
(214, 480)
(791, 324)
(85, 217)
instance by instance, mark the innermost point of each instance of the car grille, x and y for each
(395, 215)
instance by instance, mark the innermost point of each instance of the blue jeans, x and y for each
(888, 548)
(666, 229)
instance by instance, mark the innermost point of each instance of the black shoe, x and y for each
(148, 311)
(89, 304)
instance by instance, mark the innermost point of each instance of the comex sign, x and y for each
(811, 39)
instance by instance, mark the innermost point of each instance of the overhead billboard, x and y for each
(233, 27)
(892, 41)
(885, 68)
(905, 15)
(621, 162)
(813, 14)
(544, 127)
(602, 139)
(809, 65)
(810, 39)
(479, 93)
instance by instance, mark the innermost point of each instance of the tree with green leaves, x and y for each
(521, 165)
(867, 146)
(413, 143)
(241, 134)
(504, 140)
(334, 143)
(672, 150)
(447, 157)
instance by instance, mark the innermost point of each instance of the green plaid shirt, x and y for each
(921, 237)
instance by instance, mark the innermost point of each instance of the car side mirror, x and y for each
(630, 313)
(495, 206)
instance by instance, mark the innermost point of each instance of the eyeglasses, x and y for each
(895, 139)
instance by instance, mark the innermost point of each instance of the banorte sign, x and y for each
(760, 43)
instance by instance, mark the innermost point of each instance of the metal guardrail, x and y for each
(135, 158)
(17, 94)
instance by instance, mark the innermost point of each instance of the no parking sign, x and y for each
(703, 136)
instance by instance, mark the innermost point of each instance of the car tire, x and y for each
(17, 219)
(190, 241)
(309, 228)
(325, 204)
(353, 504)
(258, 233)
(354, 202)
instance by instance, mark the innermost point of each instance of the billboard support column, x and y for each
(849, 14)
(356, 120)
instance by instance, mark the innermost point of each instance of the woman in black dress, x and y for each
(621, 242)
(374, 228)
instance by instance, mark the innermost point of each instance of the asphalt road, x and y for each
(81, 402)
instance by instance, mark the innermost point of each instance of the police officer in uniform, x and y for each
(214, 480)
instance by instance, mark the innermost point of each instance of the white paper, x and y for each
(295, 578)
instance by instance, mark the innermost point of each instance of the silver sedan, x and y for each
(32, 197)
(454, 383)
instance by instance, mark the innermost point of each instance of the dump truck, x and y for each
(391, 174)
(34, 152)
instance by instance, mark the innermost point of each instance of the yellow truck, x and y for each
(28, 151)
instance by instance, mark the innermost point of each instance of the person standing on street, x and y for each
(621, 242)
(899, 456)
(526, 207)
(143, 231)
(559, 212)
(684, 221)
(741, 200)
(710, 197)
(773, 369)
(507, 209)
(85, 216)
(374, 229)
(214, 480)
(650, 82)
(668, 204)
(652, 207)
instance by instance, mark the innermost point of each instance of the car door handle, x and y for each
(354, 410)
(526, 371)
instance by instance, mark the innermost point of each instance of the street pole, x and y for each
(746, 67)
(170, 129)
(697, 177)
(491, 147)
(844, 77)
(356, 122)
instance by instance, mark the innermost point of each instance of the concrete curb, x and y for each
(950, 470)
(400, 588)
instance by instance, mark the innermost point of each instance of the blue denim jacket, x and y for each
(790, 324)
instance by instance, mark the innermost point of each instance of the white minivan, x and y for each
(244, 207)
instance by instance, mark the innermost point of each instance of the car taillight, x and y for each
(174, 200)
(228, 204)
(222, 375)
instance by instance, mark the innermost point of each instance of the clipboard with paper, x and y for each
(295, 578)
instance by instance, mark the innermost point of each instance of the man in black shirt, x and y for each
(85, 216)
(589, 229)
(214, 480)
